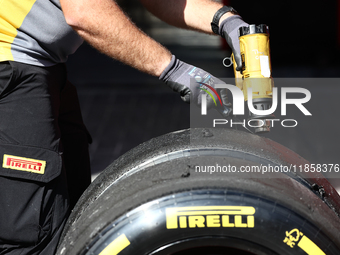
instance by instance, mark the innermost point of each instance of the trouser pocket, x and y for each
(27, 189)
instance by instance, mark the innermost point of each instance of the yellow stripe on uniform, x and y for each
(117, 245)
(12, 15)
(309, 246)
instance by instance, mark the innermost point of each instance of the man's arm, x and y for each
(104, 25)
(190, 14)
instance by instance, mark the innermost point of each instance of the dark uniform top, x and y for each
(44, 162)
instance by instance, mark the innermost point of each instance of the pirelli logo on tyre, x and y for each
(210, 217)
(24, 164)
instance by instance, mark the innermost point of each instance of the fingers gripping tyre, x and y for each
(160, 199)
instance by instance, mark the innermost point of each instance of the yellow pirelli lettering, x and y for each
(226, 222)
(239, 223)
(116, 246)
(194, 221)
(251, 221)
(210, 216)
(213, 221)
(24, 164)
(183, 222)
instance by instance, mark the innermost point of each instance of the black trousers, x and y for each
(44, 156)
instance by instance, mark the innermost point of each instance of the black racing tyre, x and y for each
(156, 200)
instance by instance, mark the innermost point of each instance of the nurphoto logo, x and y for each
(238, 104)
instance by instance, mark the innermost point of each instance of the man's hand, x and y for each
(191, 82)
(229, 30)
(197, 15)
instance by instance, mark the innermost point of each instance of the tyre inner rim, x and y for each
(213, 246)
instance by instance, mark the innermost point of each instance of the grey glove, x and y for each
(229, 30)
(191, 82)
